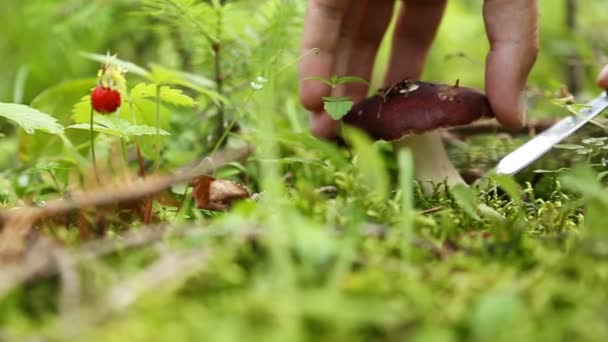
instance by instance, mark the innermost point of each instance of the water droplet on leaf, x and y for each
(259, 83)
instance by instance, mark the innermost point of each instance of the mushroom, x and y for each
(409, 113)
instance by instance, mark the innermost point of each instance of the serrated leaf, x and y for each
(162, 75)
(96, 128)
(338, 108)
(136, 130)
(30, 119)
(202, 85)
(58, 101)
(81, 111)
(167, 95)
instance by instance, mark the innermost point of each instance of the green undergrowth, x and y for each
(479, 265)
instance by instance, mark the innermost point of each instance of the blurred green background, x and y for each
(42, 38)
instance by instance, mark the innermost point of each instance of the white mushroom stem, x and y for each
(431, 161)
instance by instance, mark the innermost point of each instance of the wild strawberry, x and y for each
(105, 100)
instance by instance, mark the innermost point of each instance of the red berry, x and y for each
(105, 100)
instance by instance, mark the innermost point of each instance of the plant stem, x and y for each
(140, 158)
(93, 146)
(123, 148)
(157, 157)
(220, 90)
(223, 137)
(216, 45)
(406, 179)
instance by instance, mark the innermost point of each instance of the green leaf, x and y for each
(350, 79)
(500, 315)
(81, 111)
(323, 80)
(335, 81)
(569, 146)
(115, 125)
(136, 130)
(583, 179)
(306, 143)
(57, 101)
(200, 84)
(337, 107)
(167, 95)
(336, 99)
(551, 171)
(600, 141)
(466, 200)
(30, 119)
(370, 163)
(165, 76)
(510, 186)
(406, 181)
(96, 128)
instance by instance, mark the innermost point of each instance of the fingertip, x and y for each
(602, 80)
(312, 93)
(510, 109)
(313, 90)
(323, 126)
(507, 71)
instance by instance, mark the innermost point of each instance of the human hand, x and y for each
(348, 34)
(602, 79)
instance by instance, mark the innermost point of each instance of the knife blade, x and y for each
(543, 142)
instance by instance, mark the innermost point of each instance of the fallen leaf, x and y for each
(216, 194)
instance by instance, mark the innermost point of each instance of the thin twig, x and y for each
(17, 222)
(70, 295)
(157, 115)
(172, 268)
(219, 80)
(431, 210)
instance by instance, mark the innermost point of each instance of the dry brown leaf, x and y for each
(16, 223)
(216, 194)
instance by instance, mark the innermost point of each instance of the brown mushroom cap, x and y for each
(410, 107)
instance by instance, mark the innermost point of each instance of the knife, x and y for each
(543, 142)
